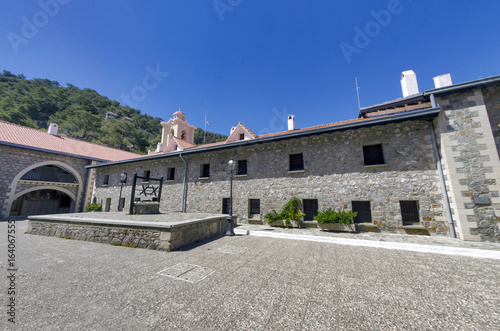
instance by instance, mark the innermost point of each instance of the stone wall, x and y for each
(334, 174)
(15, 160)
(471, 163)
(150, 236)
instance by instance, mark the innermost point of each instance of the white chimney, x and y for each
(232, 130)
(409, 83)
(291, 123)
(442, 81)
(159, 148)
(53, 129)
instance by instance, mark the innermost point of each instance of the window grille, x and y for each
(373, 154)
(205, 170)
(254, 206)
(170, 173)
(363, 209)
(296, 162)
(310, 208)
(409, 212)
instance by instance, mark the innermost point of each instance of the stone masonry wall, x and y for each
(470, 163)
(334, 173)
(13, 160)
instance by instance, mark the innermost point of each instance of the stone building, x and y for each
(44, 173)
(428, 161)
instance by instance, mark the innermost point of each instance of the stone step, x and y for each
(416, 230)
(367, 227)
(255, 222)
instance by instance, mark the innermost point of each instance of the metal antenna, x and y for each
(357, 92)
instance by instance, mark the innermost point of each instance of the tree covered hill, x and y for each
(80, 114)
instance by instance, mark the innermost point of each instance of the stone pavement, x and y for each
(247, 282)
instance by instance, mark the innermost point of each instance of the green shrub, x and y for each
(273, 216)
(94, 206)
(291, 210)
(331, 216)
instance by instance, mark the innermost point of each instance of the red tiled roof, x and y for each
(24, 136)
(249, 131)
(184, 144)
(313, 127)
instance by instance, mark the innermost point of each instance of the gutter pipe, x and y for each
(440, 172)
(183, 203)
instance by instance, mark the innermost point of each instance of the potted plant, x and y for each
(291, 212)
(274, 218)
(94, 206)
(331, 220)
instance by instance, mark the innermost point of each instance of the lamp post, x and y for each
(229, 227)
(123, 179)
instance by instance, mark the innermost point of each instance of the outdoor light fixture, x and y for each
(229, 227)
(123, 179)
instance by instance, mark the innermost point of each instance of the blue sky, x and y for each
(249, 61)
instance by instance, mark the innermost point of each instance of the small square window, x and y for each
(205, 170)
(409, 212)
(310, 208)
(105, 181)
(147, 173)
(242, 167)
(254, 207)
(242, 136)
(170, 173)
(296, 162)
(373, 154)
(363, 209)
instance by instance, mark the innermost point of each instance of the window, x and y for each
(105, 181)
(170, 173)
(49, 173)
(205, 170)
(254, 207)
(242, 136)
(225, 205)
(147, 173)
(122, 204)
(242, 167)
(310, 208)
(373, 154)
(409, 212)
(296, 162)
(107, 206)
(183, 135)
(364, 211)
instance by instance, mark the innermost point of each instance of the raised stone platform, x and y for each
(163, 232)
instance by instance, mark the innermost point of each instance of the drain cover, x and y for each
(188, 272)
(231, 249)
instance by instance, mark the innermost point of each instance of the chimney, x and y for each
(159, 148)
(291, 123)
(409, 83)
(442, 81)
(53, 129)
(232, 130)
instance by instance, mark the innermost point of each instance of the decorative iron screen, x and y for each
(310, 208)
(409, 212)
(363, 209)
(296, 162)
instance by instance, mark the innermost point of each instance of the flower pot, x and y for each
(277, 223)
(337, 227)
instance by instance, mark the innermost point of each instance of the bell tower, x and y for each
(177, 127)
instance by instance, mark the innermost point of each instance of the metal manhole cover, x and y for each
(231, 249)
(188, 272)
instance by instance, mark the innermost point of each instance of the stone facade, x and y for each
(334, 174)
(468, 126)
(15, 162)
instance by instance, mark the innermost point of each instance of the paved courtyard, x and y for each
(246, 283)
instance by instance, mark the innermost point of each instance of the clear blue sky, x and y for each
(252, 61)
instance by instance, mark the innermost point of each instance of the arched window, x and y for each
(49, 173)
(183, 135)
(172, 132)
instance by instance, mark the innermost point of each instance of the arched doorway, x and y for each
(39, 202)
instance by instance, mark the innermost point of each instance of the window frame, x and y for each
(306, 202)
(368, 155)
(292, 164)
(251, 211)
(406, 212)
(367, 212)
(170, 173)
(239, 162)
(105, 180)
(203, 167)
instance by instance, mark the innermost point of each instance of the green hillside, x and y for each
(80, 113)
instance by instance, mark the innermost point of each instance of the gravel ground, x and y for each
(245, 283)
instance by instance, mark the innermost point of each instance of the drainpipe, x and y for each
(440, 172)
(183, 206)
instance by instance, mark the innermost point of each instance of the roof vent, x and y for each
(409, 83)
(442, 81)
(53, 129)
(291, 123)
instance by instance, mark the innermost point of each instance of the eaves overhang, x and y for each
(484, 82)
(428, 113)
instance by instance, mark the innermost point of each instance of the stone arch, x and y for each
(71, 195)
(10, 195)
